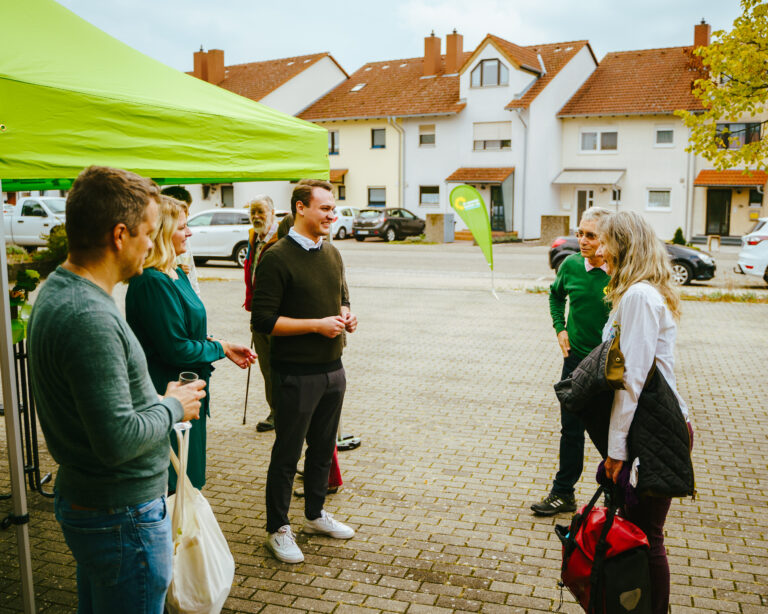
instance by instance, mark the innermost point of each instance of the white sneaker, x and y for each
(283, 545)
(326, 525)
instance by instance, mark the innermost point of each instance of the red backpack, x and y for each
(605, 561)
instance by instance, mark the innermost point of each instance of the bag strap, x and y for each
(182, 481)
(576, 524)
(596, 578)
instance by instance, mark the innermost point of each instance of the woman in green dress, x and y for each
(170, 322)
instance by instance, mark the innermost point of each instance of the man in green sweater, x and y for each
(103, 422)
(299, 298)
(580, 281)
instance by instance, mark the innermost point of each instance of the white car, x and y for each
(220, 234)
(753, 257)
(342, 226)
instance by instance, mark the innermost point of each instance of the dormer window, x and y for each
(490, 72)
(358, 87)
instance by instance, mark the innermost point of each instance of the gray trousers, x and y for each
(261, 346)
(306, 407)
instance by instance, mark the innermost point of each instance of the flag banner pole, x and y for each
(493, 286)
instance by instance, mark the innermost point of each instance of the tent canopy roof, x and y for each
(77, 96)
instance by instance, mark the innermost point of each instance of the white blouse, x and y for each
(647, 330)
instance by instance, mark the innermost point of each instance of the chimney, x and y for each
(454, 50)
(701, 34)
(215, 66)
(432, 59)
(200, 64)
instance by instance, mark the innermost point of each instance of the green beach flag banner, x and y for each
(468, 203)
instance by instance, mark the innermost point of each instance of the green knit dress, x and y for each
(170, 322)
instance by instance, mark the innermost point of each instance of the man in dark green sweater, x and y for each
(299, 298)
(103, 422)
(580, 281)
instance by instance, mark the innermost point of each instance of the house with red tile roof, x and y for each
(289, 85)
(623, 148)
(407, 131)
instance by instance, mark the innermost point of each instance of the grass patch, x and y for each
(415, 240)
(537, 290)
(727, 297)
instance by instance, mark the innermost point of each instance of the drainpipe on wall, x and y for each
(400, 160)
(689, 193)
(525, 170)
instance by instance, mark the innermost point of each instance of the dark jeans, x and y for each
(306, 407)
(123, 555)
(571, 441)
(649, 515)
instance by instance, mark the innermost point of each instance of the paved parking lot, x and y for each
(451, 392)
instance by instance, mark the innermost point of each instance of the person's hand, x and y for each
(332, 326)
(350, 321)
(189, 396)
(565, 344)
(185, 268)
(613, 468)
(241, 355)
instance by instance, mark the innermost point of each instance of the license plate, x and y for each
(361, 232)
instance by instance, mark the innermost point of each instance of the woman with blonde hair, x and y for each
(646, 307)
(170, 322)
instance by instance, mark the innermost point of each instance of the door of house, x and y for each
(497, 209)
(584, 200)
(227, 196)
(718, 212)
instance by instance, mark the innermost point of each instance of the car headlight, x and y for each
(706, 259)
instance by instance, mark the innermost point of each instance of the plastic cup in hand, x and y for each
(186, 377)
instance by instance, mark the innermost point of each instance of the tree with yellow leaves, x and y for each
(733, 91)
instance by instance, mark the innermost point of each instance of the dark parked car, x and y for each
(688, 264)
(389, 224)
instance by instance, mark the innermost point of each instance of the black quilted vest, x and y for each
(658, 435)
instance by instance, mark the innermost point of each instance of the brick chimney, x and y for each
(454, 50)
(701, 34)
(432, 59)
(215, 66)
(200, 64)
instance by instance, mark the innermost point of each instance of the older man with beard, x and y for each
(263, 234)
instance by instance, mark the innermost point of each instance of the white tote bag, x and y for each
(203, 566)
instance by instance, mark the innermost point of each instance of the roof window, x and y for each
(291, 63)
(368, 68)
(385, 67)
(403, 64)
(358, 87)
(307, 60)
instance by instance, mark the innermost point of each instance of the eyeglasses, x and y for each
(590, 236)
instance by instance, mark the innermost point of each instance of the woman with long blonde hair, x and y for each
(646, 307)
(170, 322)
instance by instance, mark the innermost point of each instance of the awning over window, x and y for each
(337, 175)
(480, 175)
(574, 176)
(730, 179)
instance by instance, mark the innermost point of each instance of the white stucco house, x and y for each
(288, 85)
(404, 132)
(623, 148)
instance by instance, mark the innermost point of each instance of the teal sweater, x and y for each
(587, 311)
(101, 417)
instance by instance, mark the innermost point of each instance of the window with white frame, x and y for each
(659, 200)
(665, 136)
(333, 142)
(429, 195)
(615, 196)
(377, 197)
(488, 73)
(598, 140)
(378, 138)
(491, 136)
(427, 135)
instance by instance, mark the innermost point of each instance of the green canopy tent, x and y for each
(72, 96)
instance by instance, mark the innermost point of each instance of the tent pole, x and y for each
(12, 432)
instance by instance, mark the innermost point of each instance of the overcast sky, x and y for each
(360, 31)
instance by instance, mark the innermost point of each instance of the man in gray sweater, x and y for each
(103, 422)
(300, 299)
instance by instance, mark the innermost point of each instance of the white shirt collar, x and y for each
(270, 233)
(307, 244)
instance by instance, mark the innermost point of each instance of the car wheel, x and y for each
(557, 263)
(199, 261)
(239, 254)
(361, 239)
(681, 273)
(342, 234)
(390, 234)
(765, 275)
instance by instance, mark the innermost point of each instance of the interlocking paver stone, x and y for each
(451, 392)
